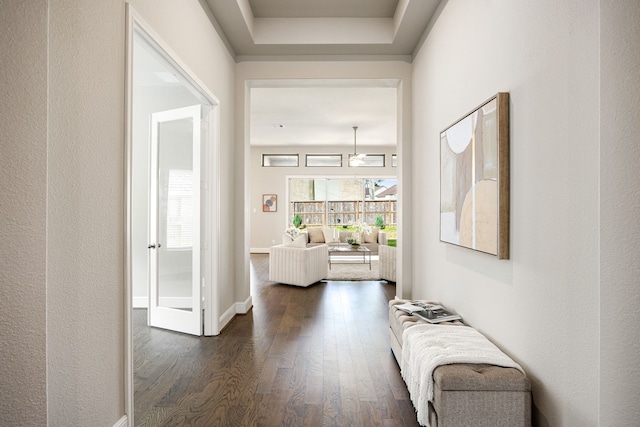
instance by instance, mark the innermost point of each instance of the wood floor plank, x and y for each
(268, 375)
(316, 356)
(349, 401)
(312, 415)
(332, 408)
(313, 391)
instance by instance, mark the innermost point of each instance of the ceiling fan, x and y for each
(356, 159)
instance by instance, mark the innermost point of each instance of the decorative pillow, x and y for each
(331, 235)
(300, 241)
(286, 239)
(372, 236)
(315, 235)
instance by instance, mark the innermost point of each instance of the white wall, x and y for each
(62, 199)
(619, 209)
(23, 210)
(543, 305)
(85, 205)
(268, 227)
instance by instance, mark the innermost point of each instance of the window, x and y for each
(369, 160)
(342, 201)
(279, 160)
(324, 160)
(180, 209)
(394, 160)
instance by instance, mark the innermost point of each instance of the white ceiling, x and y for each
(321, 112)
(324, 115)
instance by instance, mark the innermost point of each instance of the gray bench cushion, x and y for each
(470, 376)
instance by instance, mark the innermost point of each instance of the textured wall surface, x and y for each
(619, 209)
(85, 264)
(23, 206)
(542, 305)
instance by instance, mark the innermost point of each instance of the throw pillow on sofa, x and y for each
(331, 235)
(300, 241)
(315, 235)
(371, 236)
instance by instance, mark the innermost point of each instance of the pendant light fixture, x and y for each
(356, 159)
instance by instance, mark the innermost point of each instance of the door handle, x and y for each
(152, 246)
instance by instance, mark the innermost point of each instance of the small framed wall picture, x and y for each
(269, 203)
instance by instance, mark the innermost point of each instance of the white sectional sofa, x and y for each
(330, 235)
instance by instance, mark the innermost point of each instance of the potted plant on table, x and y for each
(353, 242)
(297, 220)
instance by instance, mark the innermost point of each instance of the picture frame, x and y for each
(269, 203)
(474, 179)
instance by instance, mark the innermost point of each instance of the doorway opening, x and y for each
(172, 187)
(168, 113)
(309, 125)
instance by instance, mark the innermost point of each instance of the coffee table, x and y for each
(348, 251)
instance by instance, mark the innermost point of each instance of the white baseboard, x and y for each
(175, 302)
(244, 307)
(122, 422)
(226, 317)
(140, 302)
(237, 308)
(259, 250)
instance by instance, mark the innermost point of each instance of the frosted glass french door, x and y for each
(174, 221)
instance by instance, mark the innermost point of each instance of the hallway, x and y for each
(302, 356)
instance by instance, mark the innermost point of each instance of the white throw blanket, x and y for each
(425, 347)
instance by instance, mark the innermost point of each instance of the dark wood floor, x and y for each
(316, 356)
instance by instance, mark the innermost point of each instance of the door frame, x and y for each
(210, 185)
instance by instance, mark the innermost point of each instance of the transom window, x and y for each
(280, 160)
(367, 160)
(324, 160)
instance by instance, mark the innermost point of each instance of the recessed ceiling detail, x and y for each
(281, 28)
(314, 112)
(323, 8)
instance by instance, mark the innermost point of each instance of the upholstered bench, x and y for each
(467, 394)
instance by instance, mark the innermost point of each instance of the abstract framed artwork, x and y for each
(474, 179)
(269, 203)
